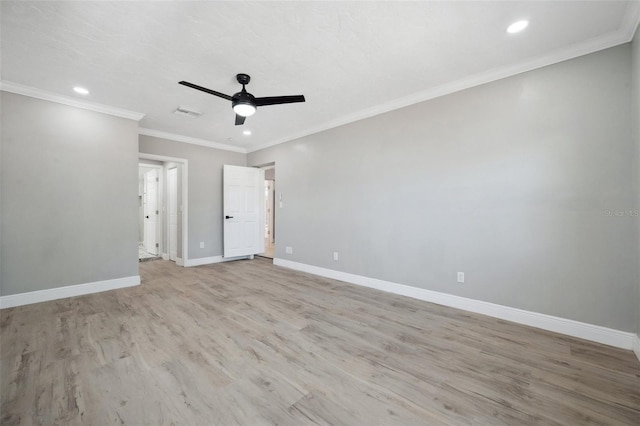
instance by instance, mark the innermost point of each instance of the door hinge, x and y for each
(157, 179)
(157, 245)
(157, 211)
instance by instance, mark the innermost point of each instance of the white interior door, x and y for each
(173, 213)
(151, 211)
(243, 211)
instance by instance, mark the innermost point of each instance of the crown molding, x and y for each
(20, 89)
(188, 139)
(630, 20)
(624, 34)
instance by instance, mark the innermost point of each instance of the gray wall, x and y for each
(508, 182)
(69, 196)
(205, 189)
(635, 110)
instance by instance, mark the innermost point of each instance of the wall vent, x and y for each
(187, 112)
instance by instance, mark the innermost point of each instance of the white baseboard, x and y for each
(165, 256)
(203, 261)
(28, 298)
(595, 333)
(179, 261)
(209, 260)
(636, 345)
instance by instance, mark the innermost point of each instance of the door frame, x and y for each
(276, 204)
(159, 204)
(271, 209)
(184, 201)
(170, 205)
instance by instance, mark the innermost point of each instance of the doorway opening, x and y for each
(270, 211)
(149, 217)
(162, 217)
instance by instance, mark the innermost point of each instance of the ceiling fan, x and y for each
(244, 103)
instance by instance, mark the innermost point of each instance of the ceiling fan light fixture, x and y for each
(244, 109)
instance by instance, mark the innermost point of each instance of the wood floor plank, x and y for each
(249, 343)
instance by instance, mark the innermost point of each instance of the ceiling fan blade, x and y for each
(240, 120)
(275, 100)
(204, 89)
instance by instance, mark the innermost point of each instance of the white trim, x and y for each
(34, 92)
(165, 256)
(150, 166)
(630, 20)
(167, 171)
(185, 198)
(28, 298)
(213, 259)
(624, 34)
(636, 345)
(162, 158)
(188, 139)
(595, 333)
(203, 261)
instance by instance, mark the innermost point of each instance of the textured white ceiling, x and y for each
(349, 59)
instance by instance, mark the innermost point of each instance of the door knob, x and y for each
(228, 217)
(147, 217)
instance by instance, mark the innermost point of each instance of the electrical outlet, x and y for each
(201, 244)
(288, 250)
(335, 255)
(460, 277)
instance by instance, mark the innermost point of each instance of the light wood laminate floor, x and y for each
(248, 343)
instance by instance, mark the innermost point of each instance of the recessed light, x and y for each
(81, 90)
(518, 26)
(246, 132)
